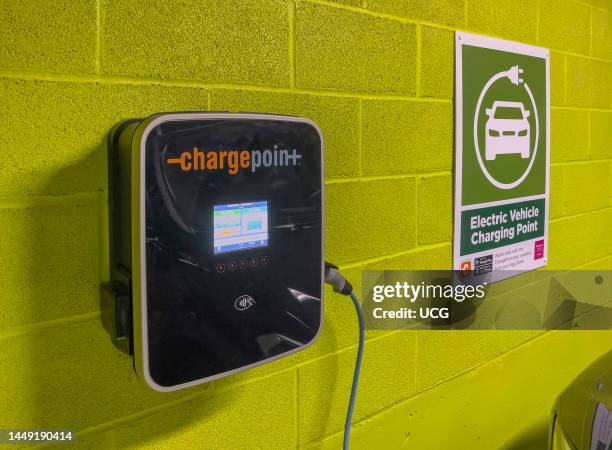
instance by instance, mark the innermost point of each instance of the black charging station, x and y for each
(216, 243)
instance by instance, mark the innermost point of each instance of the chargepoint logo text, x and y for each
(234, 161)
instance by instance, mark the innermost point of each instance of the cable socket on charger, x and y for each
(336, 280)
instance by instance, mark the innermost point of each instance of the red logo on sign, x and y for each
(538, 251)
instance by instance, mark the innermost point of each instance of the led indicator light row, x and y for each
(243, 264)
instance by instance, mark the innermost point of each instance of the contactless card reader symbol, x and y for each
(244, 302)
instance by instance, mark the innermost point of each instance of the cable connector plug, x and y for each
(336, 280)
(514, 75)
(342, 286)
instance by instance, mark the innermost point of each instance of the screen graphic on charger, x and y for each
(240, 226)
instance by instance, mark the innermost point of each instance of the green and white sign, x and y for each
(502, 142)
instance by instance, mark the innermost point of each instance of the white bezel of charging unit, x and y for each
(139, 287)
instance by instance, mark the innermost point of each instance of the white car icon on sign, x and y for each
(507, 130)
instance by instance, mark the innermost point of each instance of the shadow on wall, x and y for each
(76, 378)
(71, 376)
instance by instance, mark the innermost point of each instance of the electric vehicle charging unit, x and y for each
(216, 243)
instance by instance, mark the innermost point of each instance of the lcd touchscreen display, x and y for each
(240, 226)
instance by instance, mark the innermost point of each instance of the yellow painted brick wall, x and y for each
(377, 76)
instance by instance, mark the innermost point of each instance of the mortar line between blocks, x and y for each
(563, 212)
(580, 55)
(418, 59)
(291, 44)
(415, 341)
(593, 261)
(297, 407)
(538, 21)
(98, 37)
(564, 79)
(142, 414)
(41, 326)
(209, 393)
(360, 137)
(589, 136)
(386, 177)
(406, 20)
(174, 82)
(579, 162)
(579, 108)
(31, 201)
(581, 214)
(182, 83)
(103, 238)
(417, 189)
(417, 249)
(377, 14)
(580, 2)
(387, 16)
(591, 31)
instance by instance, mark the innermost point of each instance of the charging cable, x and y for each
(342, 286)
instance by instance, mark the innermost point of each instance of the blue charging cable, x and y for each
(351, 407)
(342, 286)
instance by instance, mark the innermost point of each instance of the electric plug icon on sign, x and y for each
(507, 130)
